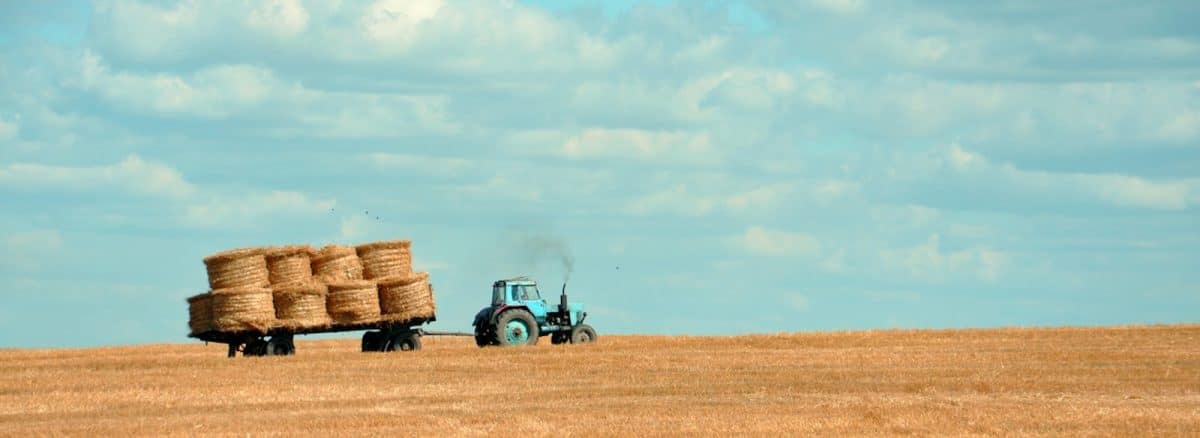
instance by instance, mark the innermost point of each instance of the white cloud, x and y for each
(502, 187)
(840, 6)
(131, 175)
(797, 302)
(962, 170)
(636, 144)
(251, 208)
(929, 262)
(394, 22)
(197, 206)
(677, 199)
(31, 250)
(755, 200)
(422, 164)
(9, 129)
(279, 18)
(213, 92)
(777, 243)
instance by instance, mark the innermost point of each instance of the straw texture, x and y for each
(337, 263)
(243, 309)
(406, 298)
(353, 302)
(289, 264)
(385, 259)
(200, 316)
(244, 267)
(300, 306)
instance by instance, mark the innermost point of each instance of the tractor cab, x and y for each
(518, 315)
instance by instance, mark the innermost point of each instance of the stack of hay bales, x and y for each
(352, 302)
(390, 258)
(337, 263)
(243, 309)
(406, 298)
(200, 317)
(301, 305)
(239, 300)
(289, 264)
(297, 288)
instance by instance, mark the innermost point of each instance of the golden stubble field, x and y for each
(1073, 381)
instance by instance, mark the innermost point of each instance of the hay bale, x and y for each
(390, 258)
(289, 264)
(301, 306)
(243, 309)
(337, 263)
(200, 315)
(406, 298)
(353, 302)
(244, 267)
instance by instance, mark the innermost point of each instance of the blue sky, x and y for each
(713, 167)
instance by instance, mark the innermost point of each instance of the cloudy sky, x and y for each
(713, 167)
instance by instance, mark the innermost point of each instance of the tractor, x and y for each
(519, 315)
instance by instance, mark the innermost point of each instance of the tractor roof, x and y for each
(522, 280)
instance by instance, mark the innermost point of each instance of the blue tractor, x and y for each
(519, 315)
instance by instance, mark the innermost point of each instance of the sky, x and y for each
(711, 167)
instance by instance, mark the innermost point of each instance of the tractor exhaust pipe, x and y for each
(562, 301)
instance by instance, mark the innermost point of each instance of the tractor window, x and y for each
(531, 293)
(515, 293)
(497, 295)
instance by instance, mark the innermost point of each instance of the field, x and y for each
(1068, 381)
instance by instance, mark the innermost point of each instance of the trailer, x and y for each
(381, 336)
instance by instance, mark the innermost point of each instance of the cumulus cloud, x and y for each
(216, 91)
(635, 144)
(964, 177)
(928, 261)
(135, 176)
(132, 175)
(762, 241)
(279, 18)
(31, 250)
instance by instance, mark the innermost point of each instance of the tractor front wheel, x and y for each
(583, 334)
(558, 338)
(516, 327)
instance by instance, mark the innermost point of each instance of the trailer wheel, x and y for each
(257, 347)
(405, 342)
(583, 334)
(371, 341)
(516, 327)
(281, 346)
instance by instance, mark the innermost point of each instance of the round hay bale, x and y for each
(385, 259)
(243, 309)
(406, 298)
(289, 264)
(301, 306)
(337, 263)
(244, 267)
(200, 316)
(353, 302)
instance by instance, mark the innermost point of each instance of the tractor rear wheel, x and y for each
(516, 327)
(583, 334)
(484, 338)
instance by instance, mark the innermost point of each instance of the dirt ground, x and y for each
(1074, 381)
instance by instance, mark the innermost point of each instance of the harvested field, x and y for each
(1133, 381)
